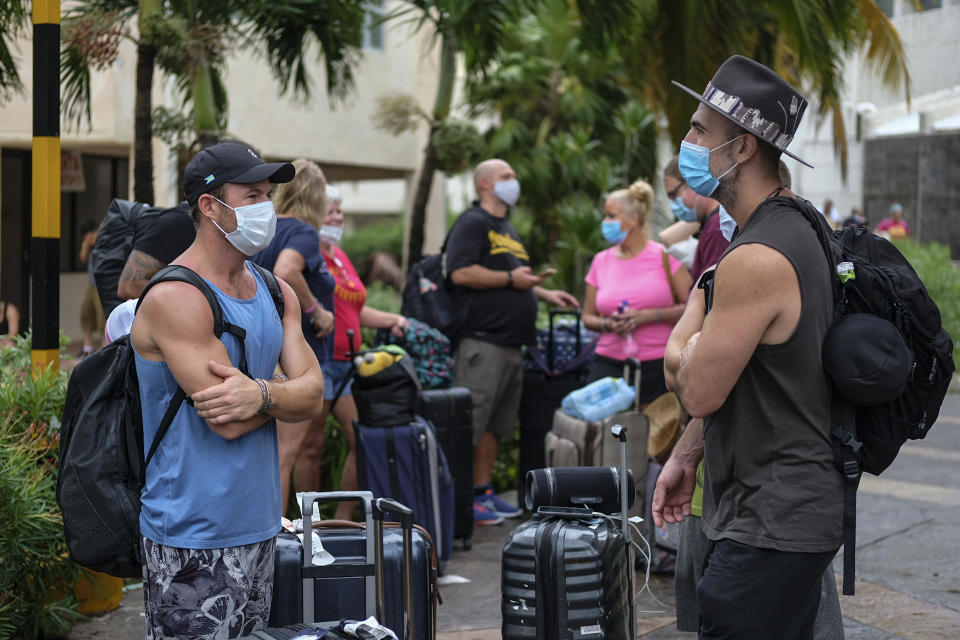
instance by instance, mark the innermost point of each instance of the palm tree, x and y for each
(805, 42)
(475, 29)
(14, 16)
(191, 40)
(566, 124)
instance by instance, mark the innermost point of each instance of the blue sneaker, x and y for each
(494, 503)
(482, 515)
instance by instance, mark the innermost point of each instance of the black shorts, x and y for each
(747, 592)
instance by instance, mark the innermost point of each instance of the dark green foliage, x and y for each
(566, 123)
(36, 578)
(458, 145)
(362, 243)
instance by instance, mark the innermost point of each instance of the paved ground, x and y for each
(908, 561)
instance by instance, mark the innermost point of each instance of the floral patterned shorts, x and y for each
(207, 594)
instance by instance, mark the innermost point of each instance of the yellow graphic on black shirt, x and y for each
(502, 243)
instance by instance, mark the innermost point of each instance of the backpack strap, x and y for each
(273, 286)
(846, 447)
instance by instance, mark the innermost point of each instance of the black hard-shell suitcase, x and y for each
(285, 633)
(568, 573)
(348, 588)
(451, 413)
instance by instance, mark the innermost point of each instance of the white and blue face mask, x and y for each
(694, 163)
(728, 226)
(682, 211)
(256, 226)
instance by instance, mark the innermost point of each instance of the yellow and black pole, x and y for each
(45, 243)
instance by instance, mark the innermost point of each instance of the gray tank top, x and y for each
(768, 461)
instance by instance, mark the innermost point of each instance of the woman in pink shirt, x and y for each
(635, 293)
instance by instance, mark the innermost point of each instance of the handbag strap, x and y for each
(666, 269)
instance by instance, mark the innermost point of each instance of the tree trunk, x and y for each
(418, 216)
(143, 125)
(143, 107)
(204, 106)
(441, 108)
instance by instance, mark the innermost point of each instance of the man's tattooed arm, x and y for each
(136, 273)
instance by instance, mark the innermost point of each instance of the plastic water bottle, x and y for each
(631, 348)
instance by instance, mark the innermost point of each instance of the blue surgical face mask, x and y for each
(682, 211)
(694, 163)
(728, 226)
(612, 232)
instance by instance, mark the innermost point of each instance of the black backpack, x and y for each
(102, 468)
(431, 298)
(884, 320)
(114, 243)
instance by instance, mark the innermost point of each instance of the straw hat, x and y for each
(664, 415)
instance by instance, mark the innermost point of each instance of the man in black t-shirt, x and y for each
(484, 254)
(158, 239)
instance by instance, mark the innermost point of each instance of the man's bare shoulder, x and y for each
(753, 268)
(176, 309)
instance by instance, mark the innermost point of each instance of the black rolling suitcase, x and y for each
(568, 573)
(390, 574)
(553, 367)
(451, 413)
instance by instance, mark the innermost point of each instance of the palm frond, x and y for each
(14, 15)
(884, 49)
(286, 29)
(75, 87)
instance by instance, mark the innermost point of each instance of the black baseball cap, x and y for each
(756, 98)
(230, 162)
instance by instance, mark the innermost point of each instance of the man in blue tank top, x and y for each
(751, 368)
(211, 502)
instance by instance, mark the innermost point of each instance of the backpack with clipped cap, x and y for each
(887, 355)
(102, 467)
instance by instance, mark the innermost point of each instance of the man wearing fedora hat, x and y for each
(772, 503)
(211, 502)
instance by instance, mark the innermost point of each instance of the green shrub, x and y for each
(362, 243)
(382, 297)
(36, 577)
(942, 279)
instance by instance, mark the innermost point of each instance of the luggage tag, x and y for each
(321, 557)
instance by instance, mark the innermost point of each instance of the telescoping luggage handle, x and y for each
(632, 362)
(381, 507)
(374, 586)
(620, 433)
(365, 498)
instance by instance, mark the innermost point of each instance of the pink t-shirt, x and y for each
(642, 282)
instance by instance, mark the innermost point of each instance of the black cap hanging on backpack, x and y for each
(867, 359)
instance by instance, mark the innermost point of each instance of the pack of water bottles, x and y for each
(599, 400)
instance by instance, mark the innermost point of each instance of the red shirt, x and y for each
(349, 297)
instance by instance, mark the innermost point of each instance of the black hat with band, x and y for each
(757, 99)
